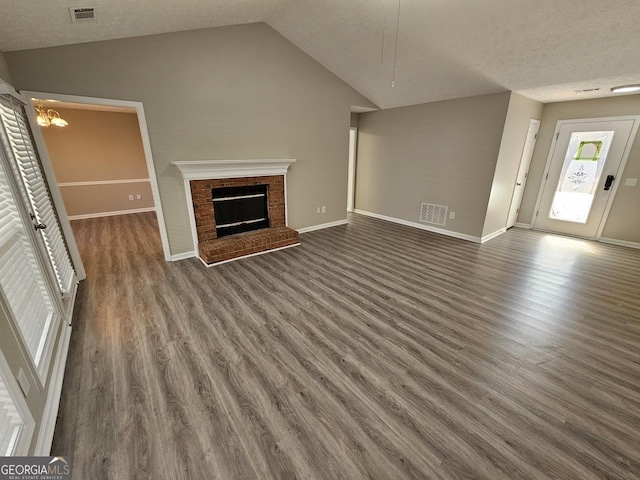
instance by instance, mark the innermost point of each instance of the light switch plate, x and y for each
(23, 380)
(630, 182)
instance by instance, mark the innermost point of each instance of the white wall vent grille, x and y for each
(435, 214)
(82, 14)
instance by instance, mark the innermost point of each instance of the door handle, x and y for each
(38, 225)
(608, 182)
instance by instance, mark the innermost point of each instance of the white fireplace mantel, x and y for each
(213, 169)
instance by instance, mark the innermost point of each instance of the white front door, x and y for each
(523, 172)
(581, 175)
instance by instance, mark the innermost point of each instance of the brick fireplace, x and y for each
(227, 184)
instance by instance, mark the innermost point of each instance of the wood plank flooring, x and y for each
(373, 350)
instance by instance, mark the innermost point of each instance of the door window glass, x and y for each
(578, 184)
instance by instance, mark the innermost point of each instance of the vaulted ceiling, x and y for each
(438, 49)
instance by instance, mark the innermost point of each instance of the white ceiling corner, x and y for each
(543, 49)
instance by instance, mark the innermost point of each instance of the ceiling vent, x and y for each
(82, 14)
(435, 214)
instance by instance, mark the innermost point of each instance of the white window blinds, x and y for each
(21, 280)
(18, 143)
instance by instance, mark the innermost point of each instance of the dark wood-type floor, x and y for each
(371, 351)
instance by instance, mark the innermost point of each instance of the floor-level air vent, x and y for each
(82, 14)
(435, 214)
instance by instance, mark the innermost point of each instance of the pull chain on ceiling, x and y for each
(395, 52)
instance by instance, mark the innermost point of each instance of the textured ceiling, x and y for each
(457, 48)
(545, 49)
(46, 23)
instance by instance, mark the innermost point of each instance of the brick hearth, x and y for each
(242, 244)
(213, 249)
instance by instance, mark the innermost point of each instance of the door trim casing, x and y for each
(57, 197)
(351, 175)
(538, 123)
(623, 164)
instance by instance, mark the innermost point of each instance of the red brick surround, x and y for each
(243, 244)
(213, 249)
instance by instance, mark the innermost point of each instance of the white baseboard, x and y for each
(209, 265)
(621, 243)
(323, 225)
(50, 415)
(441, 231)
(111, 214)
(486, 238)
(182, 256)
(523, 225)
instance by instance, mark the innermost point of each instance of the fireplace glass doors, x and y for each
(240, 209)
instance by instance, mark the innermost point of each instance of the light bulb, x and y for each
(59, 122)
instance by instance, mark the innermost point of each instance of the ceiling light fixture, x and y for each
(626, 89)
(48, 116)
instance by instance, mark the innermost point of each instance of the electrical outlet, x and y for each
(324, 209)
(130, 197)
(138, 196)
(318, 210)
(23, 380)
(452, 215)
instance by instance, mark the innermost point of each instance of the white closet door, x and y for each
(22, 283)
(18, 144)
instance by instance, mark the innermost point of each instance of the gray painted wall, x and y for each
(4, 69)
(521, 111)
(221, 93)
(443, 153)
(624, 221)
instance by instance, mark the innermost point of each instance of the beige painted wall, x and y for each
(624, 221)
(355, 119)
(99, 146)
(96, 145)
(100, 199)
(521, 111)
(222, 93)
(4, 69)
(443, 153)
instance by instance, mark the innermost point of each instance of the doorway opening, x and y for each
(99, 166)
(523, 172)
(351, 183)
(583, 171)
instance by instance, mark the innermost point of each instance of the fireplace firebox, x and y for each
(224, 208)
(240, 209)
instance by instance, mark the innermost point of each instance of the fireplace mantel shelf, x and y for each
(214, 169)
